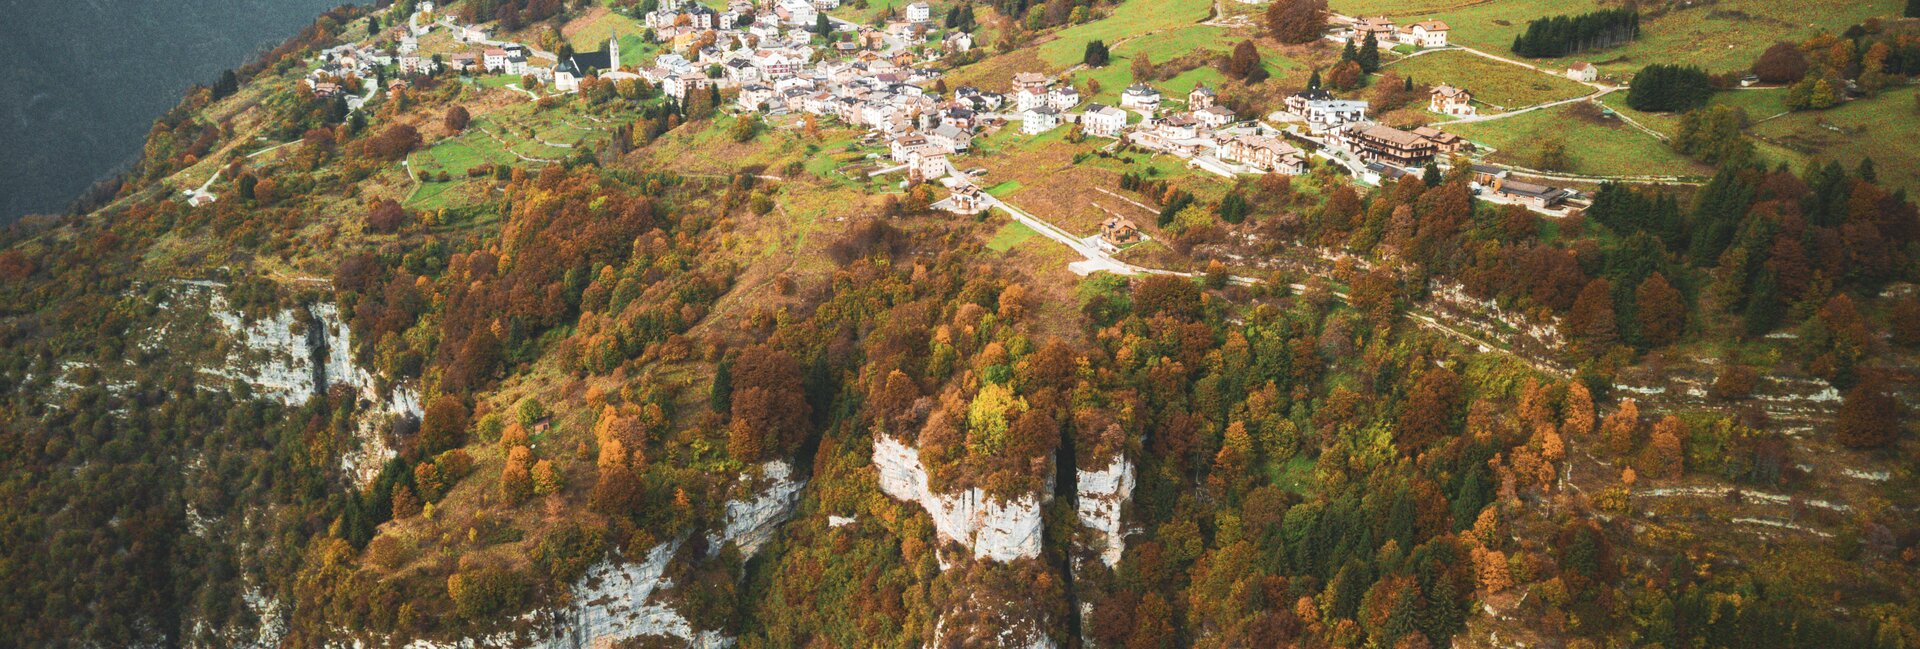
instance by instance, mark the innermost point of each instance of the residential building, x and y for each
(1063, 97)
(1429, 33)
(1201, 98)
(494, 59)
(1116, 232)
(1444, 143)
(1214, 116)
(1031, 80)
(1449, 100)
(1140, 97)
(1265, 153)
(1381, 27)
(1104, 121)
(1025, 99)
(1039, 120)
(755, 97)
(919, 12)
(1584, 72)
(1382, 143)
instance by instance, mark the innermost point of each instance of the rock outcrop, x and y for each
(1101, 495)
(991, 529)
(752, 520)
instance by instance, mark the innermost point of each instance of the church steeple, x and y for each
(613, 52)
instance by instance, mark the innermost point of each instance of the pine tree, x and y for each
(1431, 176)
(1313, 82)
(1369, 56)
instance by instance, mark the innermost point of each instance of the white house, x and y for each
(1029, 98)
(1104, 121)
(1140, 96)
(919, 12)
(494, 59)
(952, 138)
(1428, 33)
(1214, 116)
(1583, 71)
(1039, 120)
(1063, 97)
(755, 97)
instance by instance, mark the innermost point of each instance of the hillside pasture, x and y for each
(1599, 147)
(1504, 86)
(1719, 36)
(1880, 128)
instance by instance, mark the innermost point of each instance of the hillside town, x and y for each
(791, 58)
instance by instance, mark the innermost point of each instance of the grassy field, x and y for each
(1608, 147)
(1010, 235)
(1719, 36)
(1134, 18)
(1881, 128)
(1163, 47)
(1502, 85)
(591, 30)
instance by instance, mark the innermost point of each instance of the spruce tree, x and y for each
(1369, 56)
(1913, 9)
(1313, 83)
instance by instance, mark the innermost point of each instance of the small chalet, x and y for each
(1201, 98)
(1443, 142)
(1448, 100)
(1583, 71)
(1117, 232)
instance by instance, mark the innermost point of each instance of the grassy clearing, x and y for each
(1606, 147)
(1719, 36)
(590, 31)
(1010, 235)
(1501, 85)
(1880, 128)
(1131, 19)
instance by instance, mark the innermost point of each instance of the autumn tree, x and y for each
(443, 425)
(1590, 323)
(1244, 63)
(516, 477)
(1665, 457)
(1346, 76)
(457, 118)
(1618, 430)
(1869, 417)
(385, 216)
(1663, 316)
(1782, 63)
(1297, 21)
(770, 409)
(1427, 416)
(1578, 412)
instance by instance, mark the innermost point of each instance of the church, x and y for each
(578, 65)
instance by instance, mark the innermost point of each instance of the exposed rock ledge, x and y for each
(1101, 494)
(991, 529)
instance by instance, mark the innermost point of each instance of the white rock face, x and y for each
(612, 603)
(752, 521)
(278, 357)
(991, 529)
(1101, 495)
